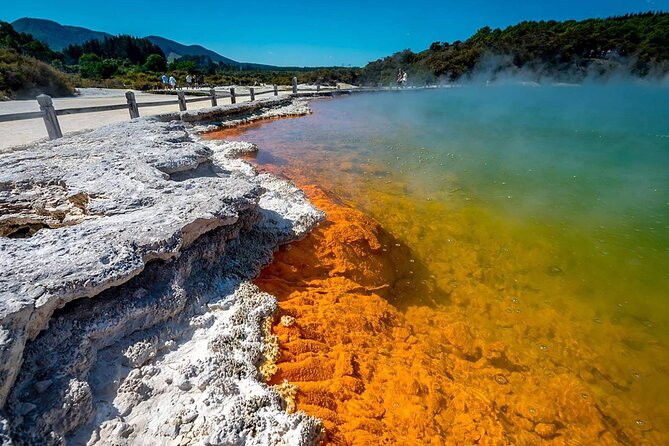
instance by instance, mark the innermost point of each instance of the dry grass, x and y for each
(25, 77)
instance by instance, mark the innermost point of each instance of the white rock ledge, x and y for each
(163, 232)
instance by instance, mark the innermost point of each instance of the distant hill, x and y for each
(59, 36)
(54, 34)
(174, 50)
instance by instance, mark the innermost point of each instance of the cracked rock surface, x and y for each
(163, 233)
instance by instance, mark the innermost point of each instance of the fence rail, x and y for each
(156, 103)
(191, 100)
(93, 109)
(50, 114)
(21, 116)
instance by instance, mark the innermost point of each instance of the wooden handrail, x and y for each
(50, 114)
(204, 98)
(96, 108)
(21, 116)
(157, 103)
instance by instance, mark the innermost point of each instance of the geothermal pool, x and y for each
(521, 258)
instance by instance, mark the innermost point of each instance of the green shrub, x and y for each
(93, 67)
(155, 63)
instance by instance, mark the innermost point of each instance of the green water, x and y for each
(587, 164)
(553, 200)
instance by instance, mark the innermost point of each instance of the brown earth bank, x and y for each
(375, 357)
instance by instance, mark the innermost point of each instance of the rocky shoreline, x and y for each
(162, 233)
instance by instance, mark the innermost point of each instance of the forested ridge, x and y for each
(635, 44)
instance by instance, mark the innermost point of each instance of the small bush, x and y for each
(141, 81)
(155, 63)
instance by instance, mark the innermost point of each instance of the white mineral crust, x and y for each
(162, 231)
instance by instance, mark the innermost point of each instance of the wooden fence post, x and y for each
(276, 90)
(212, 93)
(294, 85)
(182, 100)
(132, 104)
(253, 93)
(233, 98)
(50, 117)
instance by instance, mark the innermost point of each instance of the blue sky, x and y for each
(311, 33)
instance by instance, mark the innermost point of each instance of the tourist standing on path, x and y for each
(189, 81)
(173, 83)
(404, 79)
(400, 75)
(164, 78)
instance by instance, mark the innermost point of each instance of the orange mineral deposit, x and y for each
(380, 362)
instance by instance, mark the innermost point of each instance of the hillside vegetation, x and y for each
(25, 67)
(634, 44)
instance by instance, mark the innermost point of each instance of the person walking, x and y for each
(165, 80)
(400, 74)
(189, 81)
(173, 83)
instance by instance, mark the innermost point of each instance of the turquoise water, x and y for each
(550, 200)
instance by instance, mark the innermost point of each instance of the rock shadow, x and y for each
(353, 246)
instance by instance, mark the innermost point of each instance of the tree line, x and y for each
(636, 44)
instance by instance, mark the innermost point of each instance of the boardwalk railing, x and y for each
(50, 115)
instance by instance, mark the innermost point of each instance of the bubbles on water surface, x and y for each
(643, 425)
(501, 379)
(646, 323)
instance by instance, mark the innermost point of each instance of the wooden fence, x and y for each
(50, 115)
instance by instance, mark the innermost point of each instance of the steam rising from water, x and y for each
(547, 206)
(583, 167)
(614, 68)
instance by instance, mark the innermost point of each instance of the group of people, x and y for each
(170, 83)
(401, 78)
